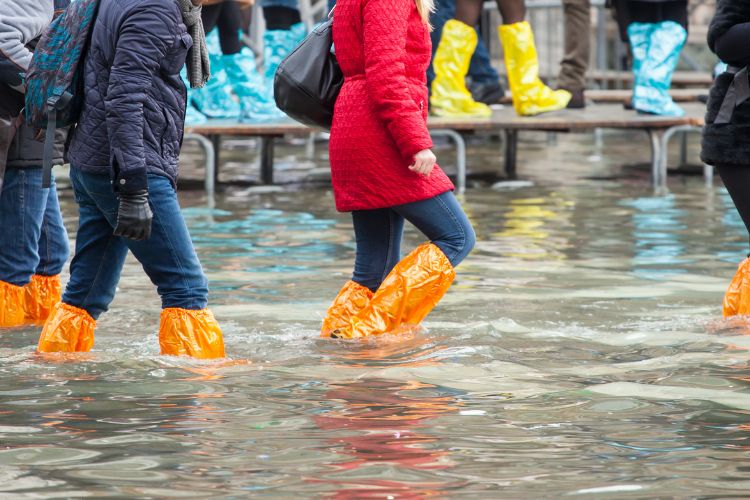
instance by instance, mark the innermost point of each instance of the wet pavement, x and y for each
(580, 352)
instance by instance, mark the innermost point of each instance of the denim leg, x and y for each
(445, 10)
(54, 249)
(99, 254)
(480, 68)
(22, 207)
(168, 256)
(444, 222)
(290, 4)
(378, 234)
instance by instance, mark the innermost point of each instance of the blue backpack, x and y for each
(54, 82)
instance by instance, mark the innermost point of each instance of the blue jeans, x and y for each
(33, 239)
(168, 257)
(291, 4)
(378, 234)
(480, 69)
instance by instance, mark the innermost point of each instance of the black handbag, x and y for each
(309, 80)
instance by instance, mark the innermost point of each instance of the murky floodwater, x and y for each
(578, 354)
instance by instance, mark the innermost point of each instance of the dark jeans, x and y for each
(33, 239)
(168, 257)
(631, 11)
(378, 234)
(480, 69)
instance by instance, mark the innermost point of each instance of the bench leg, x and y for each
(683, 148)
(460, 156)
(708, 175)
(511, 153)
(658, 176)
(216, 141)
(266, 159)
(664, 137)
(210, 154)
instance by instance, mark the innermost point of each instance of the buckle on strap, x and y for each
(738, 93)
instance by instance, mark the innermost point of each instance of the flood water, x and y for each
(580, 353)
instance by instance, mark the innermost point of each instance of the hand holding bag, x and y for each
(309, 80)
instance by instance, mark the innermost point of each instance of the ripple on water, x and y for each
(580, 352)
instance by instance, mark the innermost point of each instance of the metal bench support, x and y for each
(664, 149)
(210, 154)
(658, 181)
(460, 155)
(266, 159)
(511, 153)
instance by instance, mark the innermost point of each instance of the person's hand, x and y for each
(134, 216)
(424, 161)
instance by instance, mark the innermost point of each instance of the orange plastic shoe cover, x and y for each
(737, 298)
(41, 295)
(11, 305)
(408, 294)
(68, 329)
(352, 298)
(185, 332)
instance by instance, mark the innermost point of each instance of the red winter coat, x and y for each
(380, 118)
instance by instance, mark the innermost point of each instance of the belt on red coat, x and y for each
(361, 76)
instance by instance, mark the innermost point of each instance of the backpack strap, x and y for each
(49, 147)
(54, 104)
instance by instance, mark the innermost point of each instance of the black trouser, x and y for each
(633, 11)
(227, 16)
(280, 18)
(736, 178)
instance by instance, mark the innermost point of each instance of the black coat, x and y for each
(133, 113)
(726, 144)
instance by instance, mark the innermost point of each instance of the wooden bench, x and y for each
(621, 96)
(688, 79)
(601, 116)
(209, 135)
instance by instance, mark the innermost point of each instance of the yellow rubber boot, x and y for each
(186, 332)
(737, 298)
(11, 305)
(40, 296)
(449, 96)
(410, 291)
(352, 298)
(68, 329)
(530, 96)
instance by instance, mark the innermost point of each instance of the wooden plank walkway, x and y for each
(600, 116)
(679, 79)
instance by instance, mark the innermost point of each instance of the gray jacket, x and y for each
(21, 23)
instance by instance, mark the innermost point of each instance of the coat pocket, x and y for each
(176, 56)
(169, 138)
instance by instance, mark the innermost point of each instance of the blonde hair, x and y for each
(425, 8)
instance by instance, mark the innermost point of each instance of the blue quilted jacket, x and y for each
(134, 108)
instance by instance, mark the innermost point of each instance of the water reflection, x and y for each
(658, 226)
(532, 227)
(381, 425)
(580, 347)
